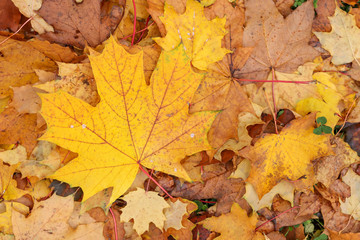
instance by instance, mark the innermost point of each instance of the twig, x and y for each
(272, 111)
(347, 115)
(3, 41)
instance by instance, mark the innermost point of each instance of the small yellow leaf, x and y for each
(233, 225)
(201, 38)
(144, 208)
(327, 106)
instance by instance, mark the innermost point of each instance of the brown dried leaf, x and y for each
(80, 23)
(279, 44)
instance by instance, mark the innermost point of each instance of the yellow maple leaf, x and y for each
(343, 40)
(133, 124)
(234, 225)
(327, 106)
(286, 155)
(144, 208)
(201, 38)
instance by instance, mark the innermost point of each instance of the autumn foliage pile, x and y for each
(153, 119)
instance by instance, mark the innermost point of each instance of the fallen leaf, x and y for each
(342, 41)
(324, 10)
(6, 173)
(284, 188)
(77, 80)
(156, 9)
(233, 225)
(327, 169)
(21, 128)
(185, 232)
(327, 105)
(284, 6)
(29, 9)
(9, 16)
(17, 70)
(154, 120)
(25, 100)
(279, 44)
(149, 207)
(39, 167)
(286, 155)
(215, 185)
(243, 139)
(219, 91)
(334, 235)
(80, 23)
(200, 38)
(351, 205)
(286, 95)
(141, 9)
(174, 214)
(48, 219)
(54, 51)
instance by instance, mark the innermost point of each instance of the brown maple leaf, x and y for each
(280, 44)
(80, 23)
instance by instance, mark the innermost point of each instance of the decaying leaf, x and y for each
(149, 208)
(133, 123)
(286, 155)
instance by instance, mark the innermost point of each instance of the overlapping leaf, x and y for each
(133, 123)
(286, 155)
(201, 38)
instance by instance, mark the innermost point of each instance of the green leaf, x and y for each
(321, 237)
(321, 120)
(326, 129)
(317, 131)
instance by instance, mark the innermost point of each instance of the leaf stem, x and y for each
(134, 29)
(115, 225)
(275, 81)
(158, 184)
(142, 30)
